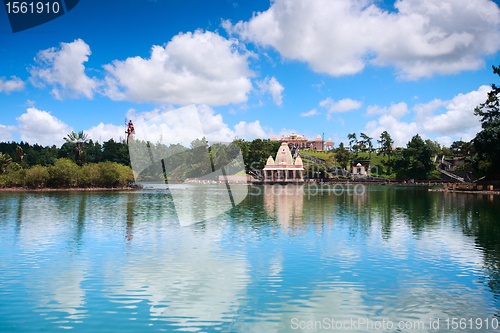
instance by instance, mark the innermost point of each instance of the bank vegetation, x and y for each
(65, 173)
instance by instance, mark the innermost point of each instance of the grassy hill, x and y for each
(329, 156)
(375, 160)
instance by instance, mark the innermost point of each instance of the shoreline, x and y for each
(68, 189)
(351, 182)
(463, 191)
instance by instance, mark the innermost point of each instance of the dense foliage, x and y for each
(66, 174)
(27, 155)
(82, 162)
(487, 147)
(414, 161)
(342, 156)
(255, 153)
(176, 163)
(487, 142)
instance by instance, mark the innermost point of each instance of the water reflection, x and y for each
(122, 259)
(19, 216)
(285, 203)
(63, 292)
(80, 220)
(320, 207)
(432, 217)
(189, 282)
(130, 217)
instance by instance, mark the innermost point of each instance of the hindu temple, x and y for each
(284, 168)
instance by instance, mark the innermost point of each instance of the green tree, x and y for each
(456, 147)
(487, 142)
(259, 151)
(487, 146)
(385, 145)
(37, 176)
(94, 151)
(63, 173)
(116, 152)
(5, 162)
(79, 140)
(434, 146)
(342, 156)
(20, 155)
(415, 161)
(367, 142)
(243, 145)
(352, 139)
(489, 111)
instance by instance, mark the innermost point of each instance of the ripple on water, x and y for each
(121, 262)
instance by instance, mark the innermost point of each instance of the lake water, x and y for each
(280, 261)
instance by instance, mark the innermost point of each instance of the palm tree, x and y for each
(367, 141)
(5, 162)
(20, 155)
(78, 139)
(370, 147)
(352, 138)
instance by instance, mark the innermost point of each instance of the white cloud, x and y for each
(395, 110)
(283, 132)
(36, 126)
(343, 105)
(401, 132)
(14, 84)
(426, 109)
(6, 133)
(64, 70)
(104, 132)
(420, 38)
(459, 118)
(172, 129)
(199, 67)
(445, 141)
(250, 131)
(272, 86)
(456, 121)
(213, 125)
(319, 85)
(309, 113)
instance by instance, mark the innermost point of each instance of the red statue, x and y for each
(130, 130)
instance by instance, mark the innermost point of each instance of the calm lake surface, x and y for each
(277, 262)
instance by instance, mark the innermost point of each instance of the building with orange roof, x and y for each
(329, 144)
(301, 142)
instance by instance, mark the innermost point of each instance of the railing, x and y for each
(449, 174)
(314, 159)
(332, 169)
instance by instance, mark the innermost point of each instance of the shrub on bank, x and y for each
(17, 177)
(88, 175)
(66, 173)
(37, 176)
(114, 174)
(13, 178)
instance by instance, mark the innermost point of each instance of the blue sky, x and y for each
(253, 68)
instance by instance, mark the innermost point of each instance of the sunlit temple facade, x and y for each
(284, 168)
(303, 143)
